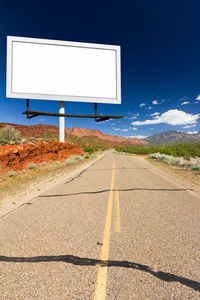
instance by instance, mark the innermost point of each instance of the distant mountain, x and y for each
(173, 137)
(83, 132)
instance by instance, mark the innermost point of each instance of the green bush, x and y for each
(3, 141)
(12, 174)
(14, 143)
(73, 159)
(32, 166)
(8, 135)
(88, 149)
(78, 157)
(70, 161)
(49, 136)
(24, 141)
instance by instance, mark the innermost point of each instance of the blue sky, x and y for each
(159, 53)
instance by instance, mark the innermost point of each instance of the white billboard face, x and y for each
(63, 71)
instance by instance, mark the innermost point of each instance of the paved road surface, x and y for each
(117, 231)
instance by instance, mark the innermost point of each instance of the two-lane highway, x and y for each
(117, 231)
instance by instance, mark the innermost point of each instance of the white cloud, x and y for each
(189, 126)
(135, 116)
(142, 104)
(171, 117)
(192, 132)
(138, 136)
(116, 129)
(155, 114)
(119, 129)
(184, 103)
(149, 107)
(134, 128)
(198, 98)
(155, 102)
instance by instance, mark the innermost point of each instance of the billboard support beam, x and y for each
(95, 111)
(61, 122)
(99, 118)
(30, 115)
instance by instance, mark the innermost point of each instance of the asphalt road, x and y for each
(116, 231)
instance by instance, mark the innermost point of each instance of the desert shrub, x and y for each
(33, 140)
(88, 149)
(3, 141)
(49, 136)
(70, 161)
(24, 141)
(32, 166)
(14, 143)
(12, 174)
(9, 134)
(73, 159)
(78, 157)
(190, 164)
(87, 156)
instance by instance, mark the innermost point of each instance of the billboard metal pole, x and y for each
(61, 122)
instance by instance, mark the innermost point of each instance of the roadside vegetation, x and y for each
(185, 151)
(29, 160)
(34, 176)
(189, 164)
(9, 135)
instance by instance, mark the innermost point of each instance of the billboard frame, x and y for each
(73, 98)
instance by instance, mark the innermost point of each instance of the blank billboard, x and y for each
(63, 71)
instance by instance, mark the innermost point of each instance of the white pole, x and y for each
(61, 122)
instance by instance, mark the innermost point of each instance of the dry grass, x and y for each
(11, 186)
(180, 173)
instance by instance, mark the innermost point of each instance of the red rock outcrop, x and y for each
(81, 132)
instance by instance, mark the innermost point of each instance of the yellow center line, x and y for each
(100, 287)
(117, 211)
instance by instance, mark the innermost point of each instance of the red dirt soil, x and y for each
(17, 157)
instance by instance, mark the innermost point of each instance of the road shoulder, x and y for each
(11, 203)
(163, 172)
